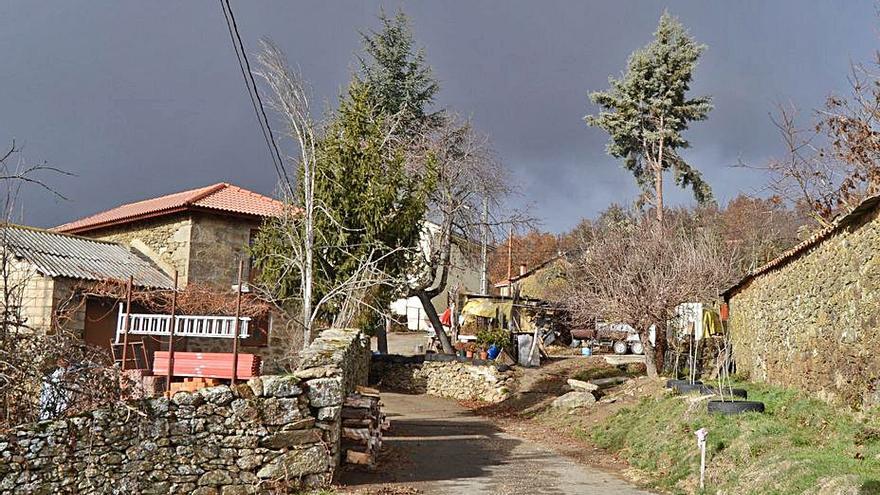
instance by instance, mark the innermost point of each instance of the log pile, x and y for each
(362, 425)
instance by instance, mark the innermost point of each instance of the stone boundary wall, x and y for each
(813, 322)
(446, 376)
(273, 434)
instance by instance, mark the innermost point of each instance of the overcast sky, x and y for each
(141, 99)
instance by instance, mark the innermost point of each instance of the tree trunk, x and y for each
(650, 355)
(658, 188)
(382, 336)
(658, 178)
(428, 306)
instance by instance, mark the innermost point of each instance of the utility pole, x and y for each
(484, 250)
(510, 255)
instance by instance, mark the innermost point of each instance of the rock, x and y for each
(215, 478)
(295, 463)
(248, 462)
(574, 400)
(609, 382)
(278, 412)
(300, 425)
(281, 386)
(256, 385)
(187, 399)
(220, 395)
(581, 386)
(237, 490)
(290, 438)
(325, 392)
(329, 413)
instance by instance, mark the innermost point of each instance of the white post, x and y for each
(701, 434)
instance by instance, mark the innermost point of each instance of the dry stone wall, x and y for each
(444, 376)
(274, 434)
(814, 323)
(166, 238)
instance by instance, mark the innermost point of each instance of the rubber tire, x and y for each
(636, 348)
(739, 393)
(687, 388)
(674, 383)
(619, 347)
(734, 407)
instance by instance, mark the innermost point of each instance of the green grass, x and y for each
(796, 446)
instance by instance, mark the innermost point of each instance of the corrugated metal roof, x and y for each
(62, 255)
(866, 206)
(222, 197)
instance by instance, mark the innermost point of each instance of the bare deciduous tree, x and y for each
(295, 229)
(637, 272)
(466, 173)
(28, 355)
(833, 163)
(290, 100)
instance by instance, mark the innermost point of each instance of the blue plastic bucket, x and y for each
(493, 351)
(586, 351)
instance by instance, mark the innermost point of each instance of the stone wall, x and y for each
(273, 434)
(451, 377)
(165, 240)
(217, 243)
(814, 322)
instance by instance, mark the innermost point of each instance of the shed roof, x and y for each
(62, 255)
(868, 205)
(221, 197)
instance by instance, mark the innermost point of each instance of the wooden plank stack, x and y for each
(362, 425)
(207, 364)
(193, 384)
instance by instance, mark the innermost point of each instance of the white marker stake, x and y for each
(701, 434)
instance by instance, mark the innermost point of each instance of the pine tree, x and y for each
(399, 80)
(363, 184)
(647, 110)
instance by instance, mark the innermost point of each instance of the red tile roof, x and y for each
(220, 197)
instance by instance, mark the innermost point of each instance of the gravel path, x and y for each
(437, 447)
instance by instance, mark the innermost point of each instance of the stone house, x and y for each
(201, 234)
(811, 317)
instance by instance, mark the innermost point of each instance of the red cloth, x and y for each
(446, 318)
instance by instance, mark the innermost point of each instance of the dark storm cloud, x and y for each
(143, 99)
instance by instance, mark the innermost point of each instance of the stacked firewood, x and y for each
(362, 425)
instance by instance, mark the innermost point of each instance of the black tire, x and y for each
(739, 393)
(734, 407)
(674, 383)
(687, 388)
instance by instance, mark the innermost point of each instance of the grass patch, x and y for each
(799, 445)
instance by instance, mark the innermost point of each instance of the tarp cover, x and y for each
(487, 308)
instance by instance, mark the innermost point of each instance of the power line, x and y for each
(253, 92)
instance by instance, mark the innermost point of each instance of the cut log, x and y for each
(356, 413)
(362, 434)
(361, 401)
(362, 458)
(370, 392)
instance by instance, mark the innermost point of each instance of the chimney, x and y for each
(522, 270)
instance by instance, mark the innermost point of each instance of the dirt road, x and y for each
(437, 447)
